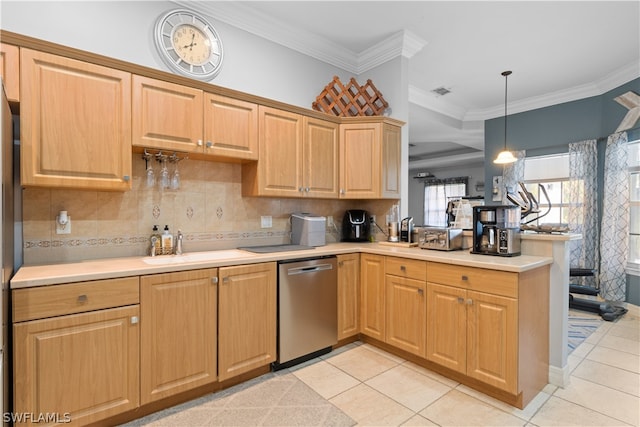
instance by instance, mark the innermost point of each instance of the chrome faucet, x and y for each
(179, 243)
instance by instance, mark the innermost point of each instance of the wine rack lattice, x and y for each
(350, 100)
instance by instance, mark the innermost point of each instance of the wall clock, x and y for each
(189, 44)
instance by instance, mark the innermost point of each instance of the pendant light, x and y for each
(505, 156)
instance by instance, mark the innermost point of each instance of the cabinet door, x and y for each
(492, 340)
(178, 338)
(372, 307)
(348, 295)
(320, 154)
(247, 321)
(75, 124)
(166, 116)
(391, 149)
(360, 160)
(406, 313)
(230, 127)
(447, 326)
(10, 71)
(84, 365)
(280, 159)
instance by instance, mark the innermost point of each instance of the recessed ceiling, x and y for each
(558, 52)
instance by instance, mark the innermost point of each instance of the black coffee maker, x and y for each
(356, 226)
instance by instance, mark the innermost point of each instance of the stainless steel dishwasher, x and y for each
(307, 309)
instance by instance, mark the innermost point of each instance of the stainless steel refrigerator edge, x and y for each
(6, 234)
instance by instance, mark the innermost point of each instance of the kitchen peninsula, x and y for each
(402, 300)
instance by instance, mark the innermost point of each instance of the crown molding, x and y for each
(404, 43)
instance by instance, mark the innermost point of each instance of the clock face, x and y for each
(188, 44)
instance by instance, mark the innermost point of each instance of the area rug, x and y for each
(580, 327)
(275, 399)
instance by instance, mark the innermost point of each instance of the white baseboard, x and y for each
(559, 376)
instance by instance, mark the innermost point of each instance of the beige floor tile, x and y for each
(419, 420)
(607, 401)
(629, 329)
(559, 412)
(583, 349)
(326, 379)
(609, 376)
(381, 352)
(362, 363)
(525, 414)
(459, 409)
(371, 408)
(619, 343)
(433, 375)
(408, 387)
(595, 337)
(618, 359)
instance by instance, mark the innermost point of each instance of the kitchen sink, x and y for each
(194, 257)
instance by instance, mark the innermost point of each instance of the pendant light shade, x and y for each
(505, 156)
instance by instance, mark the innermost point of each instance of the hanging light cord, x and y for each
(506, 75)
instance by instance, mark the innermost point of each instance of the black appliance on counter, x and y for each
(356, 226)
(496, 230)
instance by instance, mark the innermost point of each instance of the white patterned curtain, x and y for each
(614, 237)
(583, 218)
(513, 173)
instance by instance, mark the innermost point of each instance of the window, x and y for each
(437, 194)
(552, 172)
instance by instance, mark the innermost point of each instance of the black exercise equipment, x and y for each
(606, 310)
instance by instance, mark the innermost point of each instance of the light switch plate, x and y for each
(497, 188)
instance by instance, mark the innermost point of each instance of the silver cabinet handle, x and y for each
(209, 144)
(300, 189)
(82, 299)
(460, 300)
(199, 143)
(420, 291)
(469, 301)
(134, 320)
(126, 178)
(306, 189)
(465, 278)
(214, 280)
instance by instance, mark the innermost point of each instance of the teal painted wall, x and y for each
(551, 129)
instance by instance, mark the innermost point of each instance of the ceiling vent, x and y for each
(441, 91)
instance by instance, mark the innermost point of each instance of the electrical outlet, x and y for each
(373, 219)
(266, 221)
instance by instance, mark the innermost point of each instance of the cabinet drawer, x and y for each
(409, 268)
(58, 300)
(477, 279)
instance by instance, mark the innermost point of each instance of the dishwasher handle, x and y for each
(310, 269)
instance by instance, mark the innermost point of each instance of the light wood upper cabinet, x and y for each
(373, 301)
(320, 158)
(75, 123)
(230, 127)
(178, 336)
(369, 160)
(277, 172)
(10, 71)
(166, 116)
(247, 318)
(173, 117)
(348, 295)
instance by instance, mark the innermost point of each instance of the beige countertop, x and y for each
(41, 275)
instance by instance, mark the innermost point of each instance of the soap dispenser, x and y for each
(156, 242)
(167, 241)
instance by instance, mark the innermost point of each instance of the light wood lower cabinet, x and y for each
(247, 318)
(406, 314)
(491, 326)
(76, 350)
(372, 286)
(178, 334)
(348, 295)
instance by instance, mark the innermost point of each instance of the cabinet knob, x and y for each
(460, 300)
(465, 278)
(306, 189)
(209, 144)
(126, 178)
(420, 291)
(300, 189)
(214, 280)
(82, 299)
(199, 143)
(340, 263)
(134, 320)
(225, 279)
(342, 191)
(469, 301)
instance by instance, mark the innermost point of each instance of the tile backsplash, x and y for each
(208, 208)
